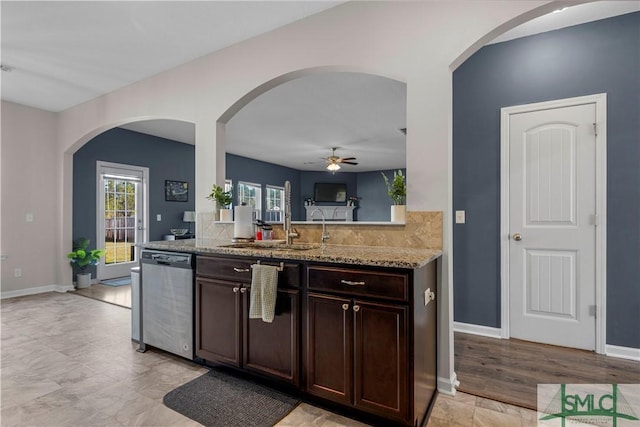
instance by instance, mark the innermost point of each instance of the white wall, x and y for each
(415, 42)
(30, 181)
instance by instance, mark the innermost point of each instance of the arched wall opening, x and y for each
(281, 131)
(207, 153)
(169, 160)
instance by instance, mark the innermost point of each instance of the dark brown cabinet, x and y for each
(218, 321)
(329, 348)
(224, 332)
(357, 354)
(380, 359)
(359, 337)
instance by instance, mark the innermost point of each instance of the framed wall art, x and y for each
(176, 191)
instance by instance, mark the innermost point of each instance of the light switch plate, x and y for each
(28, 217)
(460, 217)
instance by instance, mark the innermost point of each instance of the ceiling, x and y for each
(68, 52)
(65, 53)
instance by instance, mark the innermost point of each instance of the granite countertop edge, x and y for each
(377, 256)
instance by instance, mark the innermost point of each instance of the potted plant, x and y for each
(81, 257)
(397, 190)
(223, 199)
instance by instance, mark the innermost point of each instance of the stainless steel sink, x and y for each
(274, 247)
(294, 247)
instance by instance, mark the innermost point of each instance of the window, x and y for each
(228, 186)
(275, 204)
(251, 194)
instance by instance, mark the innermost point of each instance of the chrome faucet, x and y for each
(288, 233)
(325, 235)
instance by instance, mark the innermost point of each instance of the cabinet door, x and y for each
(272, 348)
(380, 363)
(329, 347)
(218, 321)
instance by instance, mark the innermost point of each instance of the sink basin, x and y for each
(294, 247)
(272, 247)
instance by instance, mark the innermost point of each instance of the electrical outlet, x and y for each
(429, 296)
(460, 217)
(17, 272)
(158, 217)
(28, 217)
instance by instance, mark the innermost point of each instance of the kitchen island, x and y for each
(354, 326)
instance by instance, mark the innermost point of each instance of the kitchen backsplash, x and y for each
(422, 230)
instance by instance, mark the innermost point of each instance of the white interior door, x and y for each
(122, 216)
(552, 207)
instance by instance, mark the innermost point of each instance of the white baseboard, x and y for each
(448, 385)
(485, 331)
(36, 290)
(622, 352)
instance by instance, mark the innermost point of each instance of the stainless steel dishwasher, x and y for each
(166, 287)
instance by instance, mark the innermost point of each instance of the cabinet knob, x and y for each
(356, 308)
(236, 289)
(243, 290)
(345, 307)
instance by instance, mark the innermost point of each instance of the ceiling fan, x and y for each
(333, 161)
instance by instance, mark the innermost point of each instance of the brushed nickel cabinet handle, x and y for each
(351, 283)
(356, 308)
(345, 307)
(240, 270)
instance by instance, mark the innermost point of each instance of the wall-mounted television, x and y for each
(330, 192)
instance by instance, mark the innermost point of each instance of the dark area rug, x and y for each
(218, 398)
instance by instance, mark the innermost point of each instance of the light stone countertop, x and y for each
(378, 256)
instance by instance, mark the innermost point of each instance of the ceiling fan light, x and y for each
(333, 167)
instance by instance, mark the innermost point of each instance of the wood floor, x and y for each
(118, 295)
(509, 370)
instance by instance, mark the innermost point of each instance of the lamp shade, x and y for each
(189, 216)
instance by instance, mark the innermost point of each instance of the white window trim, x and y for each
(258, 207)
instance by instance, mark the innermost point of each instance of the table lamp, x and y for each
(190, 217)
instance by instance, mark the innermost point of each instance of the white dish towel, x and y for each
(264, 290)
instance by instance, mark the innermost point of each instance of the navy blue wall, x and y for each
(375, 203)
(249, 170)
(369, 186)
(597, 57)
(165, 159)
(308, 180)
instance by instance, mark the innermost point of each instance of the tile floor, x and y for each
(69, 361)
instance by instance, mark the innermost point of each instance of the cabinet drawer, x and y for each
(239, 270)
(359, 282)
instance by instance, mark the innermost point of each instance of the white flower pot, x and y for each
(226, 215)
(83, 280)
(398, 213)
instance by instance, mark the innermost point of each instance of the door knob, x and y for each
(517, 237)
